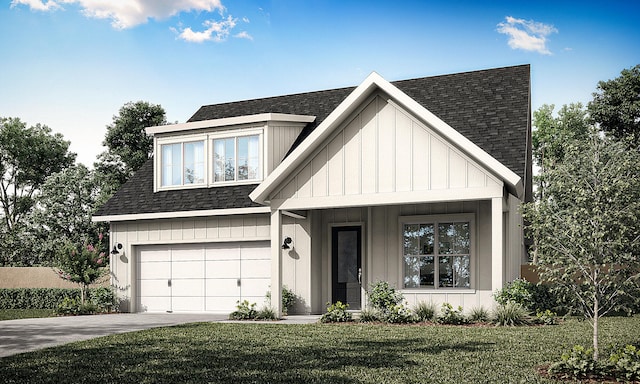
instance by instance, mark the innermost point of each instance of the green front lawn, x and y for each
(12, 314)
(316, 353)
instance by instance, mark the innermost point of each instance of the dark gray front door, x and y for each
(346, 246)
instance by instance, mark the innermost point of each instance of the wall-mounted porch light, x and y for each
(286, 244)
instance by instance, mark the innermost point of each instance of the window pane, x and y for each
(445, 271)
(453, 238)
(243, 158)
(461, 272)
(253, 162)
(194, 162)
(427, 271)
(218, 160)
(171, 164)
(411, 272)
(229, 159)
(411, 239)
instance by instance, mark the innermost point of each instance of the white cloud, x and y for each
(215, 31)
(527, 35)
(128, 13)
(243, 35)
(36, 5)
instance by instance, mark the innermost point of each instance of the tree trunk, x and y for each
(595, 327)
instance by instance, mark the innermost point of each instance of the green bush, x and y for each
(368, 315)
(244, 311)
(625, 363)
(576, 363)
(449, 315)
(266, 313)
(383, 297)
(533, 297)
(336, 313)
(35, 298)
(288, 299)
(399, 314)
(547, 317)
(511, 314)
(73, 306)
(426, 311)
(104, 298)
(479, 315)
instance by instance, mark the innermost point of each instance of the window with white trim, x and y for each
(437, 253)
(236, 159)
(182, 163)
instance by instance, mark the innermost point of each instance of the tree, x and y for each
(552, 133)
(126, 138)
(616, 106)
(27, 157)
(82, 264)
(586, 227)
(64, 208)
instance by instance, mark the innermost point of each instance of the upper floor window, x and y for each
(236, 159)
(437, 254)
(183, 163)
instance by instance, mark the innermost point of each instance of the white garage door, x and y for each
(202, 277)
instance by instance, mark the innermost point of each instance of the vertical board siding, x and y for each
(383, 149)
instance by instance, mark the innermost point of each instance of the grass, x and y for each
(12, 314)
(315, 353)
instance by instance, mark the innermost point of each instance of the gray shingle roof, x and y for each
(489, 107)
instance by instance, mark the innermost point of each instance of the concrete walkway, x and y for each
(24, 335)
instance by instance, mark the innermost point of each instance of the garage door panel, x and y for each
(187, 304)
(255, 287)
(222, 269)
(155, 304)
(187, 287)
(255, 251)
(222, 287)
(221, 304)
(255, 268)
(154, 287)
(181, 254)
(155, 270)
(155, 254)
(225, 252)
(188, 269)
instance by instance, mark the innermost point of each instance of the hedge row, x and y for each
(35, 298)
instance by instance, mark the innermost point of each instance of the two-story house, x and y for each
(414, 182)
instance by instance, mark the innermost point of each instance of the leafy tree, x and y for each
(586, 227)
(27, 157)
(83, 264)
(552, 133)
(616, 106)
(63, 213)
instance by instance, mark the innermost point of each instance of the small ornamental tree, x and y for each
(83, 265)
(587, 224)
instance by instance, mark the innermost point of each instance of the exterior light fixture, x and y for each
(286, 244)
(116, 249)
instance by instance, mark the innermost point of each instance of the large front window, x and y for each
(183, 163)
(236, 158)
(437, 254)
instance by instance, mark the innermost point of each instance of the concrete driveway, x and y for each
(24, 335)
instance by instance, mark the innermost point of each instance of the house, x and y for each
(414, 182)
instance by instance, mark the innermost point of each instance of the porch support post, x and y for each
(497, 244)
(276, 262)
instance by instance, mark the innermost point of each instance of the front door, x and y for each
(346, 253)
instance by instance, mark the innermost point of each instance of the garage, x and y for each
(202, 277)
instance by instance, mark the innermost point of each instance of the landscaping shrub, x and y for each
(623, 364)
(244, 311)
(425, 311)
(449, 315)
(288, 299)
(104, 298)
(479, 315)
(266, 313)
(577, 363)
(383, 297)
(533, 297)
(511, 313)
(369, 316)
(399, 314)
(547, 318)
(35, 298)
(336, 313)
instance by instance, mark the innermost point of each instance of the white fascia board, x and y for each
(261, 193)
(227, 121)
(182, 214)
(373, 81)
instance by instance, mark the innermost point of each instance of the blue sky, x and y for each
(71, 64)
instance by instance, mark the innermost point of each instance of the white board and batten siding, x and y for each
(189, 236)
(383, 150)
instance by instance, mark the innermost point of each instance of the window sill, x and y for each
(439, 290)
